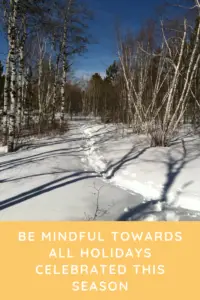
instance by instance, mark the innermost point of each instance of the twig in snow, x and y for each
(99, 212)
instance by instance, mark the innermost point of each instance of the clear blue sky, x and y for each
(131, 13)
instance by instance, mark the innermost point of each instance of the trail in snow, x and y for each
(58, 178)
(46, 181)
(125, 180)
(95, 159)
(102, 141)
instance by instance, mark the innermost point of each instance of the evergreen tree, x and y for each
(112, 72)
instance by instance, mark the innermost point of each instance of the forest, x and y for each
(153, 86)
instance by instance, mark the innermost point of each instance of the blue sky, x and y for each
(131, 13)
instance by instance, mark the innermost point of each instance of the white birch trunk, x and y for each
(42, 51)
(21, 76)
(13, 86)
(6, 101)
(55, 89)
(49, 90)
(20, 86)
(64, 64)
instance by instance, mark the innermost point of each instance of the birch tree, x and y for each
(170, 90)
(67, 21)
(6, 102)
(12, 37)
(64, 37)
(21, 72)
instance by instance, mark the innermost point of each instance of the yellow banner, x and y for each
(72, 260)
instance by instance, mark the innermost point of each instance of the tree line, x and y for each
(152, 86)
(43, 38)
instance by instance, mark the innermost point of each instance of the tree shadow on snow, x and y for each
(46, 188)
(58, 183)
(129, 156)
(36, 158)
(47, 143)
(174, 168)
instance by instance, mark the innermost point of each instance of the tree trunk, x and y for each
(40, 93)
(55, 89)
(64, 64)
(20, 87)
(13, 86)
(6, 101)
(21, 76)
(62, 115)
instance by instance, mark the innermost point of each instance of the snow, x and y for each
(4, 149)
(128, 162)
(47, 181)
(93, 166)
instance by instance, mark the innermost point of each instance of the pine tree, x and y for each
(112, 72)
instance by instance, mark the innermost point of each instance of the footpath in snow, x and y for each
(47, 181)
(127, 161)
(92, 173)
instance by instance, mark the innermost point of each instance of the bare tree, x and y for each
(21, 72)
(12, 37)
(6, 101)
(157, 103)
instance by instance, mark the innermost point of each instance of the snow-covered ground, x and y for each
(128, 162)
(94, 172)
(47, 181)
